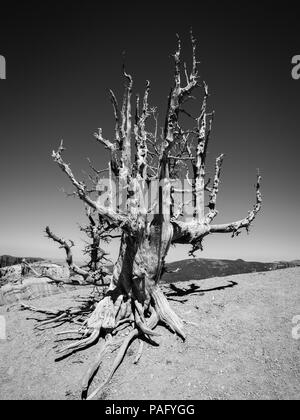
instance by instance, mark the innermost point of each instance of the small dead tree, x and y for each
(93, 273)
(99, 232)
(139, 156)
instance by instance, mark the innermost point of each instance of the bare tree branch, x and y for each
(235, 227)
(107, 143)
(106, 212)
(214, 191)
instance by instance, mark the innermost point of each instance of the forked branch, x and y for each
(235, 227)
(81, 191)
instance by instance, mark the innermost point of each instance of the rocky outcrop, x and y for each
(10, 274)
(15, 287)
(7, 260)
(13, 273)
(30, 288)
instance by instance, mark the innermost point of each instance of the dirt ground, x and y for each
(241, 348)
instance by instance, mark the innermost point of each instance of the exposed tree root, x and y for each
(68, 332)
(86, 380)
(79, 345)
(166, 313)
(139, 353)
(107, 322)
(152, 323)
(118, 360)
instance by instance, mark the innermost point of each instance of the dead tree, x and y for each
(99, 233)
(139, 156)
(91, 274)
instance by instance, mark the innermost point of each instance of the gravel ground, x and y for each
(239, 346)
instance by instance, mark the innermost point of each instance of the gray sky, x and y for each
(60, 64)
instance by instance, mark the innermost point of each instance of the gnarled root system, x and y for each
(112, 323)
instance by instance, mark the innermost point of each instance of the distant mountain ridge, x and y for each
(201, 268)
(8, 260)
(190, 269)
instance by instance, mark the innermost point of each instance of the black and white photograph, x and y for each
(149, 203)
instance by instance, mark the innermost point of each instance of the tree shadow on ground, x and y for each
(194, 289)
